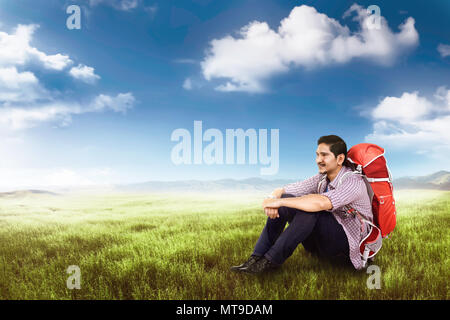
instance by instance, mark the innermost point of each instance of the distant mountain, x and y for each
(439, 180)
(250, 184)
(25, 193)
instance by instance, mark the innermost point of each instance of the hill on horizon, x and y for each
(437, 181)
(25, 193)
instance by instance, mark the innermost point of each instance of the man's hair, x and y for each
(336, 144)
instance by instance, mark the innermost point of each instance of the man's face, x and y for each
(325, 159)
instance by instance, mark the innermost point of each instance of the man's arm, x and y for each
(301, 188)
(309, 203)
(273, 212)
(297, 189)
(278, 192)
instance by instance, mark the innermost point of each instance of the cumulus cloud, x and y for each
(15, 49)
(124, 5)
(26, 103)
(16, 53)
(84, 73)
(408, 107)
(306, 38)
(60, 112)
(120, 103)
(444, 50)
(18, 86)
(414, 122)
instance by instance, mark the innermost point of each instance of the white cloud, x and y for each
(20, 118)
(121, 103)
(16, 53)
(414, 122)
(187, 84)
(15, 49)
(191, 84)
(25, 103)
(10, 78)
(305, 38)
(410, 106)
(443, 94)
(84, 73)
(444, 50)
(124, 5)
(18, 86)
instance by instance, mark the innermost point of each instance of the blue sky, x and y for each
(98, 105)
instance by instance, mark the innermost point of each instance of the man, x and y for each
(316, 210)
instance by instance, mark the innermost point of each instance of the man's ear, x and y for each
(341, 159)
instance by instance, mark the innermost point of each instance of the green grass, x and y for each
(167, 246)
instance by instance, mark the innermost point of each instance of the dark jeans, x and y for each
(319, 232)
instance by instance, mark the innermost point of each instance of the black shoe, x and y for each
(262, 265)
(253, 259)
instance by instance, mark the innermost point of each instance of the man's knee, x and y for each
(285, 210)
(292, 212)
(287, 195)
(304, 217)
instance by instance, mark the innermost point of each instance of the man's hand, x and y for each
(272, 213)
(277, 193)
(271, 203)
(270, 207)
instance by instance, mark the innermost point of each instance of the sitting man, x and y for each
(316, 211)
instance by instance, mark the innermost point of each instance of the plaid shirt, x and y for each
(353, 192)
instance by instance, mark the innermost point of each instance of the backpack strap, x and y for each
(378, 179)
(359, 170)
(366, 180)
(378, 156)
(345, 175)
(371, 243)
(322, 180)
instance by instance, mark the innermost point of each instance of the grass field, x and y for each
(167, 246)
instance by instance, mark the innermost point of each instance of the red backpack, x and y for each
(368, 160)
